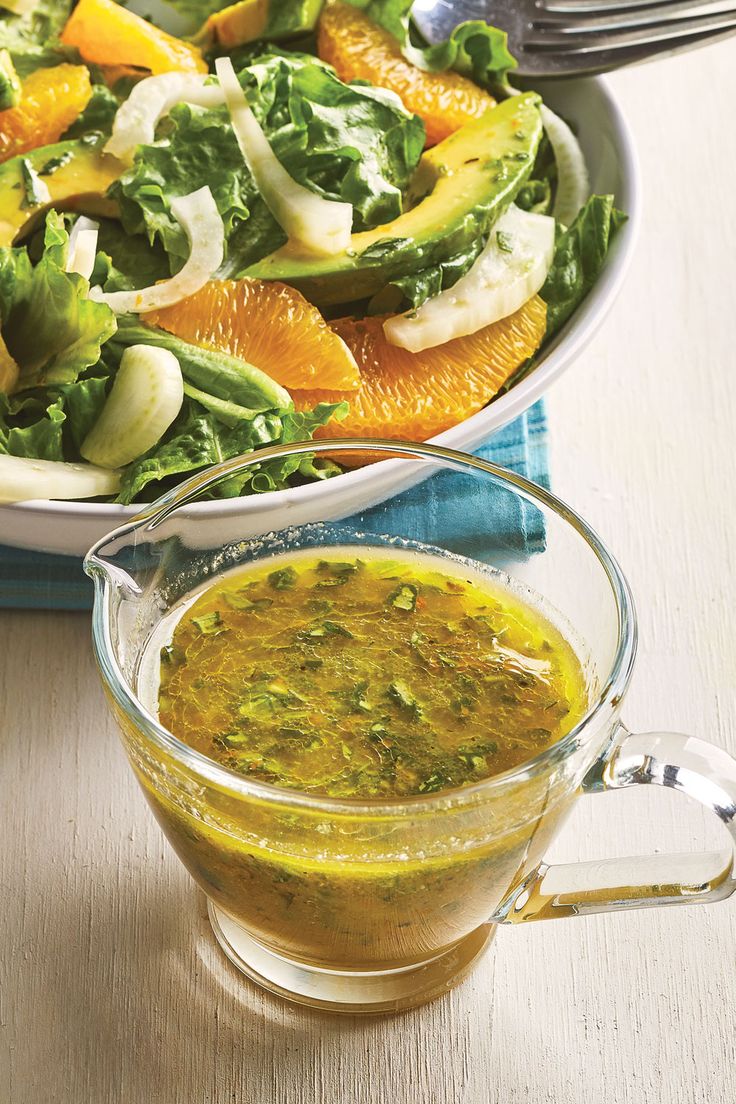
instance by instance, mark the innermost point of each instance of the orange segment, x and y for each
(106, 34)
(414, 396)
(360, 50)
(270, 325)
(51, 100)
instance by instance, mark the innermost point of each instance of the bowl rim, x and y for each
(601, 710)
(564, 349)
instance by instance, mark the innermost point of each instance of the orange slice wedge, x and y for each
(51, 100)
(413, 396)
(107, 34)
(270, 325)
(360, 50)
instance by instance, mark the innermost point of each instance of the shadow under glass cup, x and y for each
(377, 905)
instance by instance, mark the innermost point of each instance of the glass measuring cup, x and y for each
(367, 906)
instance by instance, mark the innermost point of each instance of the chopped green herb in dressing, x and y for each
(404, 680)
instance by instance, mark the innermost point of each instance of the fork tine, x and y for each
(574, 39)
(577, 7)
(576, 19)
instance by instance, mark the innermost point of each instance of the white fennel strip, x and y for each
(83, 247)
(573, 182)
(506, 274)
(136, 119)
(23, 478)
(146, 396)
(319, 225)
(197, 214)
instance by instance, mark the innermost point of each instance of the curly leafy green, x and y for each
(200, 150)
(474, 48)
(537, 195)
(198, 439)
(51, 328)
(415, 288)
(97, 118)
(126, 261)
(31, 425)
(350, 143)
(580, 253)
(51, 424)
(32, 39)
(82, 402)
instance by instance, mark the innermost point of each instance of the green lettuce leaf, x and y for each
(537, 195)
(82, 403)
(346, 142)
(580, 253)
(229, 413)
(414, 289)
(127, 261)
(200, 149)
(51, 424)
(51, 328)
(32, 39)
(198, 439)
(474, 48)
(31, 425)
(96, 120)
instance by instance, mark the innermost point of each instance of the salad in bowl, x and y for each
(296, 220)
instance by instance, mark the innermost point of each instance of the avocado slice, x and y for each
(248, 20)
(460, 188)
(77, 175)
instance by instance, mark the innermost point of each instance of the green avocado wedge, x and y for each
(459, 189)
(76, 176)
(248, 20)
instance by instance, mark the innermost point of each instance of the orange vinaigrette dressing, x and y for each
(355, 673)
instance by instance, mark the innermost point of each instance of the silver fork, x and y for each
(565, 38)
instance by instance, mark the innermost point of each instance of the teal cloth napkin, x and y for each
(35, 580)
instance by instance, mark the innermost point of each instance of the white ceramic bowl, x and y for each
(71, 527)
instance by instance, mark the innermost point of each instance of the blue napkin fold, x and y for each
(36, 580)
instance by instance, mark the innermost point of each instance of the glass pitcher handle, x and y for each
(694, 767)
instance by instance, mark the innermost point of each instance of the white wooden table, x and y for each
(113, 990)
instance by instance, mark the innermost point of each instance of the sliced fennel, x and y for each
(319, 225)
(145, 398)
(573, 182)
(509, 271)
(22, 477)
(83, 247)
(151, 99)
(198, 215)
